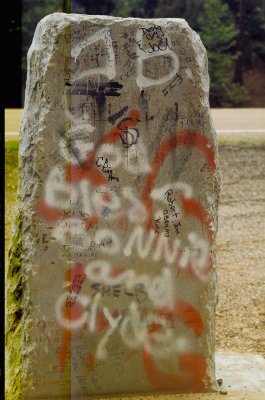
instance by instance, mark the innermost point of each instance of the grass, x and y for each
(242, 143)
(11, 175)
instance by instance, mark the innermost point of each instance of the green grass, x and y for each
(11, 175)
(13, 332)
(242, 143)
(11, 145)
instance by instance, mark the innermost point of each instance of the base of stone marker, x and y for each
(240, 371)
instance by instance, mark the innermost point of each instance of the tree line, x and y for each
(233, 32)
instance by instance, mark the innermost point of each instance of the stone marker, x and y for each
(116, 213)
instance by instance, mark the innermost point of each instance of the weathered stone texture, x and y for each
(119, 192)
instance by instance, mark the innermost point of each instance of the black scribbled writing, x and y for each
(177, 80)
(104, 165)
(118, 290)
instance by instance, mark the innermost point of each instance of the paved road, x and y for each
(230, 123)
(239, 123)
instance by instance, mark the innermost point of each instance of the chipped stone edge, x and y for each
(14, 309)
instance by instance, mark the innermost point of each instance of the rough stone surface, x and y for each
(119, 194)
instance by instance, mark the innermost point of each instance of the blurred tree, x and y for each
(187, 9)
(127, 8)
(238, 77)
(219, 33)
(251, 17)
(136, 8)
(212, 18)
(66, 6)
(149, 7)
(92, 7)
(33, 12)
(12, 63)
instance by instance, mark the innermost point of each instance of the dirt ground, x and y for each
(241, 256)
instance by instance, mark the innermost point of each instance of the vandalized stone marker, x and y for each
(118, 194)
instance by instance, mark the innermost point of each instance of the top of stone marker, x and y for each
(74, 17)
(109, 20)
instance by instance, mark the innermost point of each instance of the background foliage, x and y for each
(233, 32)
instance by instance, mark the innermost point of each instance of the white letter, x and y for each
(135, 336)
(58, 193)
(137, 213)
(143, 81)
(66, 323)
(136, 161)
(112, 153)
(71, 231)
(163, 249)
(109, 69)
(98, 270)
(137, 236)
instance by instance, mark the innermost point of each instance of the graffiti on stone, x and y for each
(128, 201)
